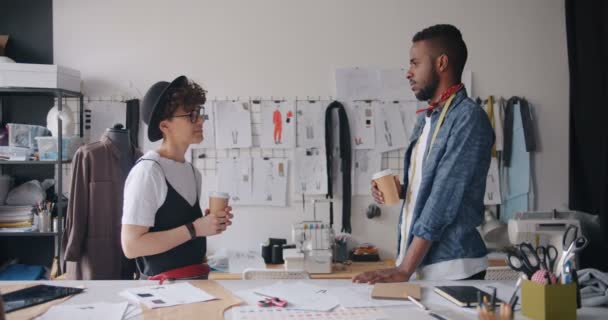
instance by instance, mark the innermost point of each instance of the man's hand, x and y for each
(377, 194)
(383, 275)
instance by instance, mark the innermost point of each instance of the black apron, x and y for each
(174, 212)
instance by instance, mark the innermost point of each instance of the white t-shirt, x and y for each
(446, 270)
(146, 187)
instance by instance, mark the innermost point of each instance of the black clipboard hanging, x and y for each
(346, 162)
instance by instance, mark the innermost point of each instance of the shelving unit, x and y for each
(60, 95)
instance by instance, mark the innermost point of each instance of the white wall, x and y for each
(290, 48)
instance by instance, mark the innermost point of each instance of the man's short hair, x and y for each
(447, 39)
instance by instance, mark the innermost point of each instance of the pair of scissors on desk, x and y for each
(524, 259)
(572, 244)
(270, 301)
(548, 256)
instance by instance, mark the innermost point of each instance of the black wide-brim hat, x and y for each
(153, 105)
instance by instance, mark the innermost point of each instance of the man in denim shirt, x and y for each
(447, 160)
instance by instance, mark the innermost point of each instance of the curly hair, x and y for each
(188, 95)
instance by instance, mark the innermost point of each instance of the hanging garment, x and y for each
(516, 172)
(91, 242)
(346, 161)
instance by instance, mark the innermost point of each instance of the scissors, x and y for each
(548, 256)
(524, 259)
(271, 301)
(571, 245)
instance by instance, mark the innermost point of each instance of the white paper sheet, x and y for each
(270, 179)
(256, 313)
(235, 176)
(408, 116)
(390, 132)
(360, 295)
(492, 194)
(301, 296)
(93, 311)
(357, 83)
(278, 125)
(361, 118)
(233, 124)
(104, 115)
(238, 261)
(311, 123)
(166, 295)
(366, 163)
(310, 171)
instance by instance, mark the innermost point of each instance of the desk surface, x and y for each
(107, 291)
(339, 271)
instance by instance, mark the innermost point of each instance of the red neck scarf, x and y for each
(444, 96)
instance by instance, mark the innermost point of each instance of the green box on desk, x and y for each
(547, 302)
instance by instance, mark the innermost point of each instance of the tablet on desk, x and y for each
(464, 296)
(35, 295)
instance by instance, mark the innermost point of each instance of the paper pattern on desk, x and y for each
(360, 295)
(301, 296)
(257, 313)
(166, 295)
(93, 311)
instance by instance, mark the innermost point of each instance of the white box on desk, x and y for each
(318, 261)
(28, 75)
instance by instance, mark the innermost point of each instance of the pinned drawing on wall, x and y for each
(310, 171)
(367, 162)
(311, 123)
(208, 127)
(492, 195)
(270, 176)
(235, 178)
(395, 85)
(233, 124)
(390, 132)
(407, 109)
(361, 120)
(278, 125)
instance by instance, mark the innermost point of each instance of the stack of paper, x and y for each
(94, 311)
(166, 295)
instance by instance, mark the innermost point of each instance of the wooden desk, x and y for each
(339, 271)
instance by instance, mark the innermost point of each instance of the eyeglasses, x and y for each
(198, 112)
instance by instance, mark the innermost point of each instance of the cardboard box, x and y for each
(3, 41)
(28, 75)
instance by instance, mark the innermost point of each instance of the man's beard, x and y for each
(428, 92)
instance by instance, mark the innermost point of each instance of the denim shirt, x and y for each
(449, 206)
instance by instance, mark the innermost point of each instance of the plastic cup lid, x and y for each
(215, 194)
(383, 173)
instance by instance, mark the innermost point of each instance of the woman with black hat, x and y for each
(163, 226)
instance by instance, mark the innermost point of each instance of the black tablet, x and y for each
(35, 295)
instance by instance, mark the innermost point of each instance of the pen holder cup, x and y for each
(547, 302)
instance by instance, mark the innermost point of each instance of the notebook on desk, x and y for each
(464, 296)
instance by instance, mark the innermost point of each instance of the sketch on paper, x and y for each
(394, 85)
(367, 162)
(233, 124)
(361, 121)
(270, 176)
(311, 123)
(310, 171)
(492, 195)
(407, 110)
(235, 177)
(390, 132)
(278, 125)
